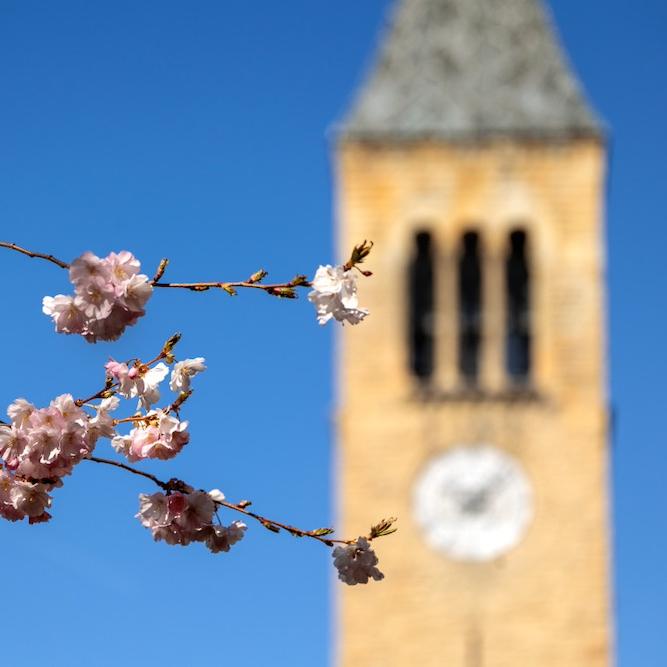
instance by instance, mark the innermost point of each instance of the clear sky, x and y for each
(197, 131)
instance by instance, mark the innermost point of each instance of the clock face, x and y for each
(473, 502)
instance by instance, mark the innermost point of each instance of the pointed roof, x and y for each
(470, 69)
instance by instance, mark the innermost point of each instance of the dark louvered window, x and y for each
(518, 333)
(421, 316)
(470, 307)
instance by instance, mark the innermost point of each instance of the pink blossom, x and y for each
(123, 267)
(66, 315)
(46, 443)
(20, 499)
(159, 437)
(109, 295)
(177, 518)
(20, 410)
(29, 499)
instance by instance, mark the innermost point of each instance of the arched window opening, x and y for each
(421, 309)
(470, 307)
(518, 333)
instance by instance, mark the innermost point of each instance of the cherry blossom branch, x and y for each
(286, 290)
(320, 534)
(275, 526)
(177, 485)
(42, 445)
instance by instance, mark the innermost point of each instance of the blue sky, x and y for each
(197, 131)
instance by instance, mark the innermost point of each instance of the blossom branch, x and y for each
(177, 485)
(284, 289)
(275, 526)
(41, 446)
(111, 293)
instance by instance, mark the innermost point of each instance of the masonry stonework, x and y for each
(546, 602)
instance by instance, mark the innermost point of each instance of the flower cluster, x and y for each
(109, 295)
(334, 295)
(40, 447)
(159, 436)
(20, 499)
(46, 443)
(356, 563)
(182, 518)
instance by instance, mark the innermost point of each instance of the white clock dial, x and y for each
(473, 503)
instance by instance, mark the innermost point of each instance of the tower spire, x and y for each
(470, 69)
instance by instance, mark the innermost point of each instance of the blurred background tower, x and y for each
(473, 403)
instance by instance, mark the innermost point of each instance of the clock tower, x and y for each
(472, 404)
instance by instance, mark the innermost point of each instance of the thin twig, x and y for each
(37, 255)
(285, 289)
(277, 289)
(134, 471)
(133, 420)
(102, 393)
(293, 530)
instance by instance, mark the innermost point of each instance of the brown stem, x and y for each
(96, 459)
(131, 420)
(202, 287)
(293, 530)
(196, 287)
(38, 255)
(100, 394)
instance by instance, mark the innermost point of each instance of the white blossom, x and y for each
(356, 563)
(334, 295)
(133, 383)
(216, 495)
(147, 386)
(103, 422)
(184, 371)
